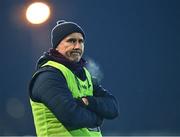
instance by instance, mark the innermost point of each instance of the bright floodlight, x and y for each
(37, 13)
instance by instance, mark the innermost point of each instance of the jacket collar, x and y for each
(54, 55)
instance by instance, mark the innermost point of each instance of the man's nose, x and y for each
(77, 45)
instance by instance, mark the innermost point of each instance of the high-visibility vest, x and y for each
(46, 123)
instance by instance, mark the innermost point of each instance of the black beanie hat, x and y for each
(62, 29)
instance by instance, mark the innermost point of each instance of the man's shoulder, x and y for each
(46, 69)
(45, 76)
(45, 73)
(39, 77)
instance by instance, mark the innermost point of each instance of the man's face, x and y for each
(72, 47)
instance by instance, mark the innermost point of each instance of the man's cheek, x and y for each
(68, 54)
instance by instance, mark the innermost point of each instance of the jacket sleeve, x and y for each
(50, 88)
(103, 102)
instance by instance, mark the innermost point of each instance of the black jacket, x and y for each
(49, 86)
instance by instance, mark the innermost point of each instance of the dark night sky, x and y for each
(136, 44)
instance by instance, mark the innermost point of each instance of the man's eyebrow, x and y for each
(70, 39)
(79, 39)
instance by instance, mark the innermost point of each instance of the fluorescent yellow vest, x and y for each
(46, 123)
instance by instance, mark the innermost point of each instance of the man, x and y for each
(65, 100)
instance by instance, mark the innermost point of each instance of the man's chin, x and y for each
(75, 59)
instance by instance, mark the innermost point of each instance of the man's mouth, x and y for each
(76, 53)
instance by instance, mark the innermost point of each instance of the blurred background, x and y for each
(133, 44)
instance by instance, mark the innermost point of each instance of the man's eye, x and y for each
(81, 41)
(72, 40)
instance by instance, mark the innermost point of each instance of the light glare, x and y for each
(37, 13)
